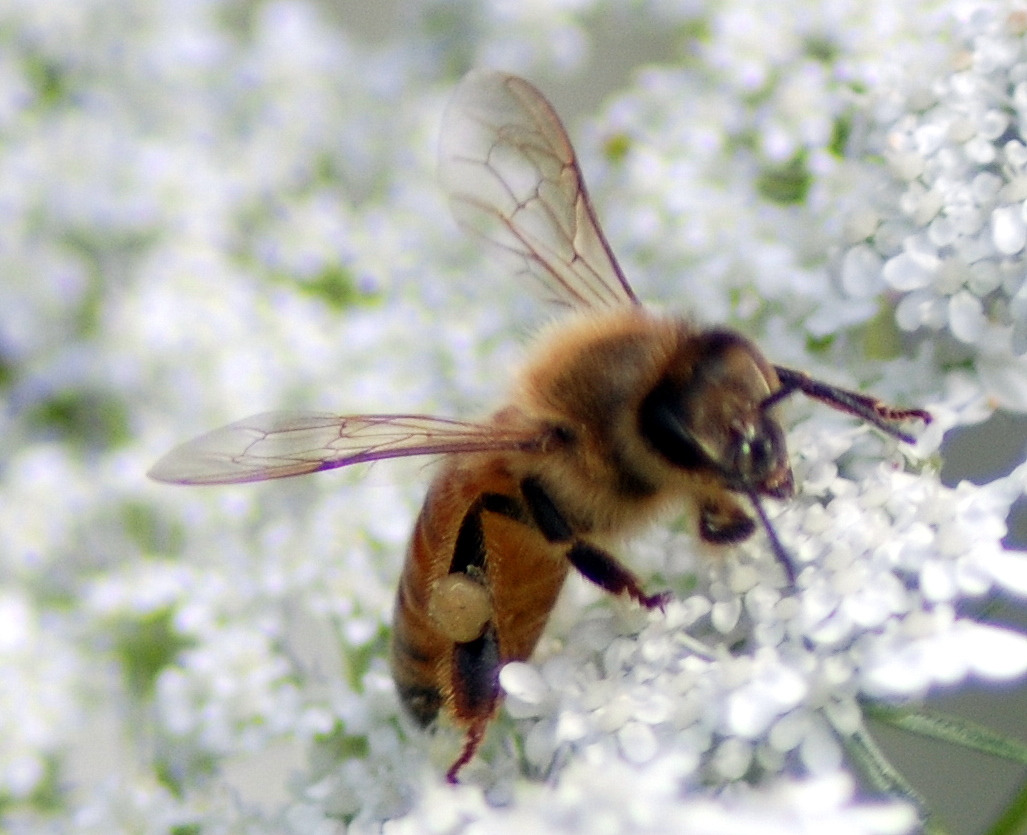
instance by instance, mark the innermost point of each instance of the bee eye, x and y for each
(759, 453)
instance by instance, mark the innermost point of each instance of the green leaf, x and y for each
(840, 133)
(357, 659)
(146, 645)
(967, 734)
(48, 794)
(148, 530)
(335, 286)
(7, 372)
(786, 183)
(340, 746)
(48, 79)
(84, 418)
(819, 344)
(822, 48)
(881, 337)
(180, 767)
(617, 147)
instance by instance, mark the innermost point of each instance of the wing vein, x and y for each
(513, 179)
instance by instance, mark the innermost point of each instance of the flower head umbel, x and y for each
(946, 236)
(743, 681)
(746, 678)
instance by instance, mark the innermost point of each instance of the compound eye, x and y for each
(762, 460)
(759, 454)
(760, 457)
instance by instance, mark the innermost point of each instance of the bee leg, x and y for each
(591, 562)
(544, 512)
(469, 550)
(476, 693)
(469, 554)
(459, 602)
(605, 571)
(472, 740)
(722, 520)
(866, 408)
(462, 609)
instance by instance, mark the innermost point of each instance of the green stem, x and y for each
(880, 774)
(963, 732)
(949, 728)
(1013, 821)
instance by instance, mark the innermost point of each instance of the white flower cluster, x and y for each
(613, 798)
(37, 700)
(946, 236)
(745, 679)
(178, 222)
(760, 169)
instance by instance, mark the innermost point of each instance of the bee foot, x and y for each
(655, 601)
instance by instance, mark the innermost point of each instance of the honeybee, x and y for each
(618, 413)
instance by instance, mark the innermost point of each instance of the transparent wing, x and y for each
(282, 444)
(512, 177)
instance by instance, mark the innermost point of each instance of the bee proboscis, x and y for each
(618, 413)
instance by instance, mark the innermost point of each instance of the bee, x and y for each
(618, 413)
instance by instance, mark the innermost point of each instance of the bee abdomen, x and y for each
(421, 702)
(414, 657)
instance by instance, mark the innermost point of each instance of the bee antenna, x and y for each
(780, 553)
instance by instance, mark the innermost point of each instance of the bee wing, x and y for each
(282, 444)
(512, 177)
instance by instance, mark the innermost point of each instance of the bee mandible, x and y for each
(618, 413)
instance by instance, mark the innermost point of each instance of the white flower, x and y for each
(950, 227)
(774, 685)
(38, 709)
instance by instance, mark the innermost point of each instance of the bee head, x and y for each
(711, 412)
